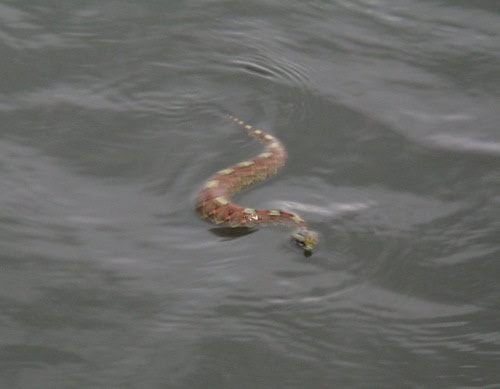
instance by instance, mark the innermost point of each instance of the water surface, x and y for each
(113, 115)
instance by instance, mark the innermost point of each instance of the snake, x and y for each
(213, 201)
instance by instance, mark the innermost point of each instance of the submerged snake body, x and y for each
(214, 199)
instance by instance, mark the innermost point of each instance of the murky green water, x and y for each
(112, 115)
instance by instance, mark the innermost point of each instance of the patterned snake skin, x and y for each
(214, 199)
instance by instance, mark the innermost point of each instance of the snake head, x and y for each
(305, 239)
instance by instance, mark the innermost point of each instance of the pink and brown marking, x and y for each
(214, 199)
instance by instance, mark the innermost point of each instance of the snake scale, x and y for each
(213, 201)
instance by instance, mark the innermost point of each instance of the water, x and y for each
(112, 116)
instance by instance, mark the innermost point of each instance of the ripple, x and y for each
(19, 31)
(350, 320)
(460, 143)
(274, 68)
(34, 355)
(331, 209)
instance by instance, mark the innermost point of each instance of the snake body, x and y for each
(213, 201)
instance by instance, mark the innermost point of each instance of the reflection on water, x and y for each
(113, 116)
(466, 145)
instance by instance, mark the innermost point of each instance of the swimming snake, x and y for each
(213, 201)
